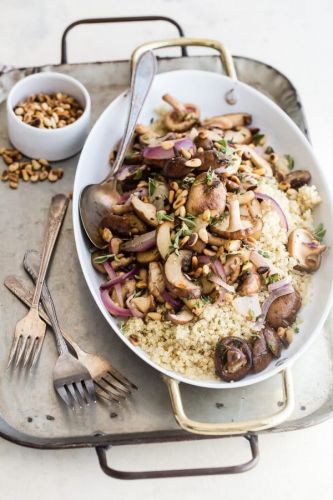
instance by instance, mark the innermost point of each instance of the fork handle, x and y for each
(30, 259)
(57, 210)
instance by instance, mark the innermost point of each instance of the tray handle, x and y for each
(232, 428)
(207, 471)
(226, 58)
(103, 20)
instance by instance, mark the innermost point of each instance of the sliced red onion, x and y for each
(134, 311)
(119, 279)
(276, 206)
(223, 284)
(220, 170)
(176, 304)
(204, 259)
(311, 244)
(284, 290)
(279, 284)
(129, 170)
(112, 307)
(112, 275)
(185, 143)
(219, 269)
(140, 243)
(158, 153)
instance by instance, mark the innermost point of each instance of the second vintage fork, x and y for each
(30, 330)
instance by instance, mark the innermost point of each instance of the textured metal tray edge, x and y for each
(11, 434)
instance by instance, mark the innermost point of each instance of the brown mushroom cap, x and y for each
(303, 247)
(146, 211)
(237, 228)
(262, 356)
(273, 341)
(233, 358)
(298, 178)
(183, 116)
(156, 283)
(175, 277)
(163, 238)
(203, 196)
(184, 316)
(241, 135)
(283, 310)
(250, 284)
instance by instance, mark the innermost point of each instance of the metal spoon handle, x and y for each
(142, 78)
(31, 264)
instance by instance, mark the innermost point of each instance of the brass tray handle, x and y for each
(232, 428)
(226, 58)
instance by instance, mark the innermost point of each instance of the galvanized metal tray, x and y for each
(30, 413)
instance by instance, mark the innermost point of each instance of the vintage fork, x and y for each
(71, 379)
(30, 330)
(107, 379)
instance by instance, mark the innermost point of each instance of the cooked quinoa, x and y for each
(189, 349)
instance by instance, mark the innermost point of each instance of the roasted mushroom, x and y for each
(232, 268)
(184, 316)
(204, 195)
(261, 354)
(228, 121)
(283, 310)
(163, 238)
(298, 178)
(99, 267)
(156, 283)
(146, 211)
(273, 341)
(233, 358)
(237, 228)
(160, 194)
(241, 135)
(250, 284)
(183, 116)
(177, 281)
(144, 304)
(305, 249)
(176, 167)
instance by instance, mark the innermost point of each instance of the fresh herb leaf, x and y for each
(138, 175)
(269, 150)
(138, 294)
(258, 138)
(290, 161)
(264, 254)
(187, 181)
(319, 232)
(183, 231)
(103, 258)
(210, 176)
(296, 329)
(160, 215)
(205, 299)
(151, 186)
(215, 220)
(224, 147)
(189, 220)
(272, 279)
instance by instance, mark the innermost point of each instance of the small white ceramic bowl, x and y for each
(52, 144)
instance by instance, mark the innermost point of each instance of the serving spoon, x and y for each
(96, 200)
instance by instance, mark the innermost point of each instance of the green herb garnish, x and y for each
(272, 279)
(151, 186)
(264, 254)
(103, 258)
(296, 329)
(205, 299)
(183, 231)
(187, 181)
(258, 138)
(290, 161)
(160, 215)
(138, 294)
(224, 147)
(189, 220)
(269, 150)
(138, 175)
(319, 232)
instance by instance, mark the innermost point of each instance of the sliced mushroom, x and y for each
(228, 121)
(232, 268)
(128, 288)
(146, 211)
(156, 283)
(298, 178)
(212, 159)
(137, 225)
(233, 358)
(241, 135)
(257, 160)
(144, 304)
(207, 286)
(250, 284)
(175, 277)
(119, 224)
(160, 194)
(303, 247)
(163, 238)
(183, 116)
(99, 267)
(237, 229)
(273, 341)
(148, 256)
(181, 318)
(262, 356)
(203, 196)
(176, 167)
(283, 310)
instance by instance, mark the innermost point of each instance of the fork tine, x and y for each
(72, 391)
(22, 349)
(28, 352)
(100, 392)
(108, 388)
(116, 384)
(35, 356)
(80, 388)
(121, 378)
(13, 350)
(64, 395)
(89, 385)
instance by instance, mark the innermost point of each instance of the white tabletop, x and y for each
(295, 36)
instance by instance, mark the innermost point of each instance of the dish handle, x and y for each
(226, 58)
(232, 428)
